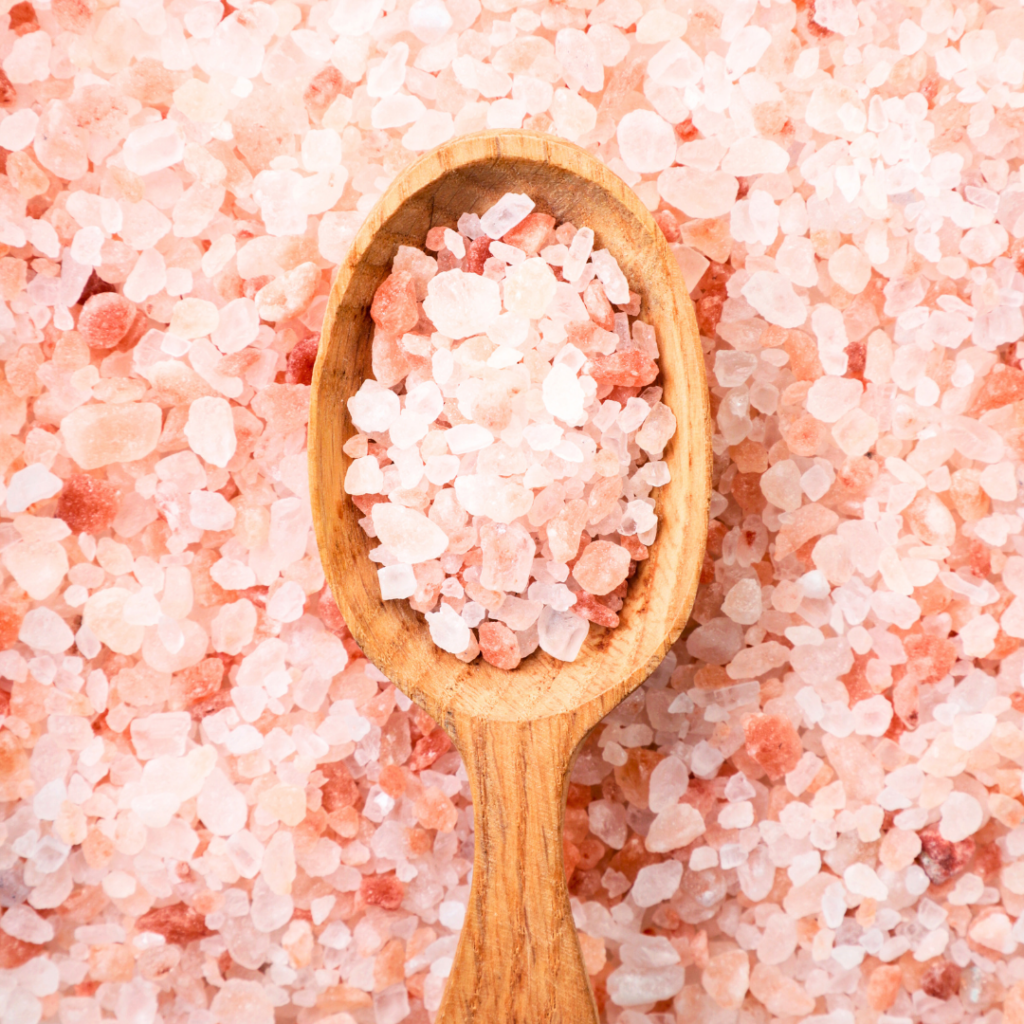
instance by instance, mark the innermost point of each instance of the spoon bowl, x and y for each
(519, 959)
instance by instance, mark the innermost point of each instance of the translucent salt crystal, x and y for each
(449, 630)
(647, 142)
(468, 437)
(634, 414)
(44, 630)
(469, 224)
(408, 534)
(579, 252)
(529, 289)
(508, 552)
(29, 485)
(830, 398)
(211, 430)
(454, 243)
(153, 147)
(657, 882)
(961, 817)
(561, 634)
(743, 602)
(462, 304)
(364, 476)
(22, 922)
(657, 429)
(611, 276)
(504, 215)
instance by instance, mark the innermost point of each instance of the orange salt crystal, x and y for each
(105, 319)
(196, 683)
(530, 233)
(967, 496)
(930, 658)
(392, 780)
(434, 810)
(598, 306)
(884, 986)
(394, 307)
(802, 350)
(805, 435)
(637, 551)
(428, 749)
(603, 498)
(629, 368)
(499, 645)
(1002, 385)
(773, 743)
(601, 567)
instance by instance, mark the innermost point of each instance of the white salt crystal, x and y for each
(529, 288)
(211, 430)
(657, 882)
(153, 147)
(29, 485)
(504, 215)
(461, 304)
(411, 536)
(396, 581)
(468, 437)
(563, 394)
(454, 243)
(22, 922)
(861, 880)
(611, 276)
(374, 408)
(209, 510)
(580, 248)
(561, 633)
(647, 143)
(961, 817)
(364, 476)
(774, 299)
(449, 630)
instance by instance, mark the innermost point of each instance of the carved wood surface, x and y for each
(519, 960)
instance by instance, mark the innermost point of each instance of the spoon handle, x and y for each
(519, 959)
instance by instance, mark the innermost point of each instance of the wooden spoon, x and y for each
(519, 959)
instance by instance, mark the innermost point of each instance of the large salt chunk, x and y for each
(508, 552)
(364, 476)
(29, 485)
(505, 214)
(773, 297)
(460, 304)
(211, 430)
(830, 398)
(561, 634)
(698, 193)
(374, 408)
(563, 394)
(467, 437)
(100, 434)
(153, 147)
(410, 536)
(657, 882)
(487, 494)
(529, 288)
(448, 629)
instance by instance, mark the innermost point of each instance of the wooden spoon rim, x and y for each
(396, 639)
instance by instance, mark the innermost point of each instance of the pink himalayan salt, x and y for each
(601, 567)
(105, 319)
(499, 645)
(100, 434)
(394, 304)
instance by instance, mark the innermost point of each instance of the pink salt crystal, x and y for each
(97, 435)
(461, 304)
(508, 552)
(598, 306)
(499, 645)
(726, 978)
(436, 238)
(563, 531)
(516, 613)
(389, 361)
(603, 498)
(410, 536)
(394, 307)
(418, 264)
(930, 520)
(588, 607)
(105, 319)
(601, 567)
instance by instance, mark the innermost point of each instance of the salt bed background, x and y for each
(216, 811)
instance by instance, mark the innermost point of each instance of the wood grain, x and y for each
(518, 960)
